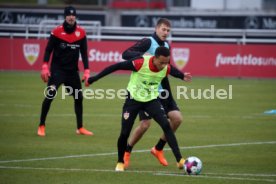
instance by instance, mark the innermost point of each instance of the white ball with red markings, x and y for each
(193, 165)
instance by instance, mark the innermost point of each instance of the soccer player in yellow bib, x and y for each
(147, 46)
(142, 94)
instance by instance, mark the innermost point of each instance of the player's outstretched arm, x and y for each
(186, 76)
(124, 65)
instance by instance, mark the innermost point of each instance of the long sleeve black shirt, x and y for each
(126, 65)
(66, 48)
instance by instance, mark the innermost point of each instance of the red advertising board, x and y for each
(228, 60)
(201, 59)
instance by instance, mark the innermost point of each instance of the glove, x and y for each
(90, 80)
(86, 75)
(45, 73)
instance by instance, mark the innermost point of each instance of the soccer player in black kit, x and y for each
(66, 42)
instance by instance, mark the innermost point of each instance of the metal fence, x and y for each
(95, 31)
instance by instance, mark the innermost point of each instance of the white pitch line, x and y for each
(243, 174)
(215, 145)
(137, 151)
(116, 115)
(81, 170)
(157, 173)
(62, 157)
(228, 145)
(218, 177)
(58, 115)
(76, 169)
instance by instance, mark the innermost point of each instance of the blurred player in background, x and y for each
(66, 42)
(147, 74)
(147, 46)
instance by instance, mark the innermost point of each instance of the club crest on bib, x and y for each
(180, 57)
(77, 33)
(31, 52)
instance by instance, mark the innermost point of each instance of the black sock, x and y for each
(44, 110)
(78, 111)
(129, 148)
(160, 145)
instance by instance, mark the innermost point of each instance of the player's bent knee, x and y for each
(177, 121)
(145, 124)
(176, 118)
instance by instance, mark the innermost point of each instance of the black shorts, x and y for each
(168, 105)
(70, 80)
(132, 108)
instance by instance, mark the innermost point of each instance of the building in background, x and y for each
(199, 14)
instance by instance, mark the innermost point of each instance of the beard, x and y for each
(69, 27)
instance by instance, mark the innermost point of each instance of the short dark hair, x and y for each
(163, 21)
(162, 51)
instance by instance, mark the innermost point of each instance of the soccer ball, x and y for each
(193, 166)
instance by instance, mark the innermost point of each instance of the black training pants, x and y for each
(72, 81)
(156, 111)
